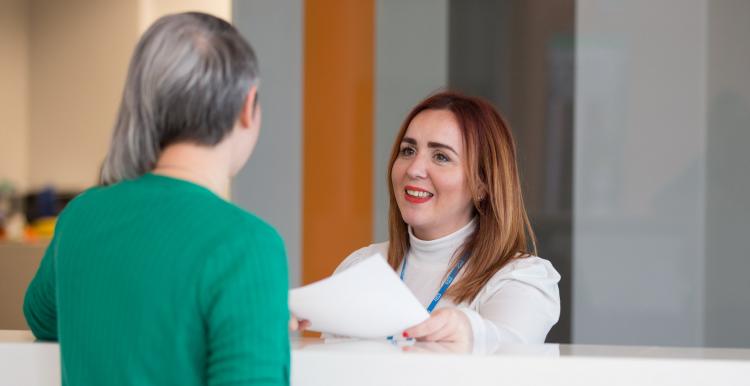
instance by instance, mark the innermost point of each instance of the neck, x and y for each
(432, 233)
(203, 165)
(441, 249)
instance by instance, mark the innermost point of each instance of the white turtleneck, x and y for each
(520, 304)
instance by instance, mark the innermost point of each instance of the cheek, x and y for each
(449, 183)
(397, 172)
(456, 188)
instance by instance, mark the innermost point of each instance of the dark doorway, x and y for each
(520, 55)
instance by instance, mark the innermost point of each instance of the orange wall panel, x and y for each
(338, 132)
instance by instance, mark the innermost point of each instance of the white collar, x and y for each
(442, 249)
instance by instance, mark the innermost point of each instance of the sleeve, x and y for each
(361, 254)
(40, 301)
(244, 300)
(519, 305)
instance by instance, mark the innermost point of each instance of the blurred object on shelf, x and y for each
(43, 227)
(12, 221)
(47, 202)
(15, 227)
(6, 197)
(30, 217)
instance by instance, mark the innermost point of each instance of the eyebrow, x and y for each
(438, 145)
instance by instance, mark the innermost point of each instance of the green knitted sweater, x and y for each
(158, 281)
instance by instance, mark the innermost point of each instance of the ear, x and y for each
(250, 108)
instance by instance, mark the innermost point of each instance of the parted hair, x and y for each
(188, 79)
(503, 231)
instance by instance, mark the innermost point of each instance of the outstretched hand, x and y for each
(444, 325)
(298, 324)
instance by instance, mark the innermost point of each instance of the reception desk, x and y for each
(350, 362)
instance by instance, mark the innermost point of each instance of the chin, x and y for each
(414, 217)
(414, 221)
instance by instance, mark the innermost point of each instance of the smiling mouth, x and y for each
(418, 193)
(417, 196)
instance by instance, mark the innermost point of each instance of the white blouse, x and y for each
(519, 304)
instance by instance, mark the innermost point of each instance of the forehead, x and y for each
(436, 126)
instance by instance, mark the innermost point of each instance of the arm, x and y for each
(40, 302)
(519, 305)
(516, 314)
(361, 254)
(244, 298)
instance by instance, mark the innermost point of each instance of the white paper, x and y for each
(368, 300)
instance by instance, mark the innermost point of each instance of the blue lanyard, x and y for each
(446, 284)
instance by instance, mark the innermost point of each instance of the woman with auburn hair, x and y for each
(459, 235)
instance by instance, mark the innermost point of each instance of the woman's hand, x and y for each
(444, 325)
(298, 324)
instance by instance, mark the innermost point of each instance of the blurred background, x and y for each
(632, 120)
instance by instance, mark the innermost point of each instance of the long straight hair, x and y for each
(187, 82)
(503, 230)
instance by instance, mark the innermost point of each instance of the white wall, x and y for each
(150, 10)
(270, 185)
(79, 53)
(411, 61)
(640, 148)
(62, 67)
(14, 92)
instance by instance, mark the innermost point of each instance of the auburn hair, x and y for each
(503, 231)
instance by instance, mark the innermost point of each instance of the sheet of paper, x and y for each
(368, 300)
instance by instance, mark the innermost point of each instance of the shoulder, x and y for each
(78, 204)
(361, 254)
(247, 221)
(243, 245)
(530, 270)
(232, 232)
(97, 194)
(84, 197)
(529, 267)
(248, 231)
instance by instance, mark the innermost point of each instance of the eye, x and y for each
(442, 158)
(407, 151)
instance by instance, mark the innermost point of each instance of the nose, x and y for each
(417, 168)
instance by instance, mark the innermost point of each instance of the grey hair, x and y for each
(187, 82)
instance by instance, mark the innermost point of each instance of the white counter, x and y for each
(28, 363)
(314, 362)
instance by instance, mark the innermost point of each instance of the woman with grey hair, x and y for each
(154, 277)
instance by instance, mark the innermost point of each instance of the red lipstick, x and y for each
(414, 199)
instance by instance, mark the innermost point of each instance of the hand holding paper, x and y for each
(367, 300)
